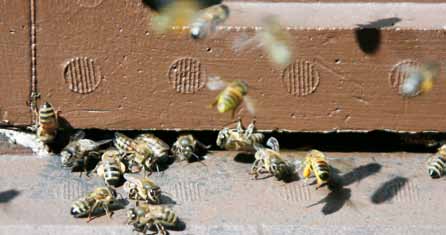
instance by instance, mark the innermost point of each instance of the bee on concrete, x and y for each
(436, 164)
(111, 168)
(239, 138)
(101, 197)
(231, 96)
(144, 217)
(274, 40)
(142, 189)
(269, 161)
(175, 14)
(316, 163)
(420, 79)
(138, 153)
(207, 21)
(80, 151)
(48, 123)
(185, 146)
(159, 148)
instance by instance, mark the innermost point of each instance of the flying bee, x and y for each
(138, 153)
(101, 197)
(185, 146)
(436, 164)
(176, 13)
(159, 148)
(274, 40)
(207, 21)
(420, 79)
(142, 189)
(48, 123)
(316, 163)
(268, 160)
(80, 151)
(144, 217)
(231, 96)
(239, 138)
(111, 168)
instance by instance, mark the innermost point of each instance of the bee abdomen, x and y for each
(112, 174)
(257, 137)
(322, 169)
(436, 167)
(80, 208)
(169, 217)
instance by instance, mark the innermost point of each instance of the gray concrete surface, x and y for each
(220, 198)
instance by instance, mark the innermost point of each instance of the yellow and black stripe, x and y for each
(169, 217)
(436, 166)
(47, 115)
(321, 169)
(112, 173)
(81, 207)
(232, 96)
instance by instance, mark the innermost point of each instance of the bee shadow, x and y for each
(368, 36)
(65, 131)
(179, 225)
(8, 195)
(358, 173)
(247, 158)
(167, 200)
(388, 190)
(157, 5)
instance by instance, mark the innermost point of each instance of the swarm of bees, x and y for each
(122, 163)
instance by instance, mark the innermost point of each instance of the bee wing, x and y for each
(77, 136)
(249, 102)
(132, 178)
(342, 164)
(409, 68)
(215, 83)
(273, 143)
(242, 42)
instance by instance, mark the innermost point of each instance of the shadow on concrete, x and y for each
(388, 190)
(8, 195)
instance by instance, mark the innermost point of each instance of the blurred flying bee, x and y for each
(138, 153)
(420, 79)
(436, 164)
(185, 146)
(80, 151)
(239, 138)
(269, 161)
(48, 123)
(111, 168)
(316, 163)
(231, 96)
(175, 14)
(159, 148)
(207, 21)
(272, 38)
(101, 197)
(142, 189)
(144, 217)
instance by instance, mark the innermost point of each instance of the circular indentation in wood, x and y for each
(82, 75)
(89, 3)
(398, 74)
(300, 78)
(185, 75)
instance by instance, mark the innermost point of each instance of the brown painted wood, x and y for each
(103, 67)
(14, 62)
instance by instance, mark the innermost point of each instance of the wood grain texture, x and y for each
(353, 91)
(14, 62)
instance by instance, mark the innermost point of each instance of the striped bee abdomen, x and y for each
(436, 166)
(230, 99)
(80, 207)
(169, 216)
(46, 114)
(123, 143)
(321, 169)
(112, 173)
(257, 138)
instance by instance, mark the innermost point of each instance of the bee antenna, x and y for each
(198, 158)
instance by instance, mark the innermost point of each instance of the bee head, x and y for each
(46, 105)
(196, 31)
(281, 170)
(222, 137)
(225, 10)
(66, 158)
(132, 216)
(442, 150)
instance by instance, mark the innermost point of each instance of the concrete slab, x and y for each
(220, 198)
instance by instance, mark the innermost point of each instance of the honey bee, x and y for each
(101, 197)
(48, 123)
(138, 153)
(143, 217)
(207, 21)
(176, 13)
(316, 163)
(436, 164)
(142, 189)
(239, 138)
(231, 96)
(274, 40)
(268, 160)
(111, 168)
(185, 146)
(420, 79)
(159, 148)
(80, 151)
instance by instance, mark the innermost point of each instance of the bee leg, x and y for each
(254, 168)
(160, 229)
(91, 211)
(107, 211)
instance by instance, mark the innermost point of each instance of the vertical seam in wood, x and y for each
(33, 66)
